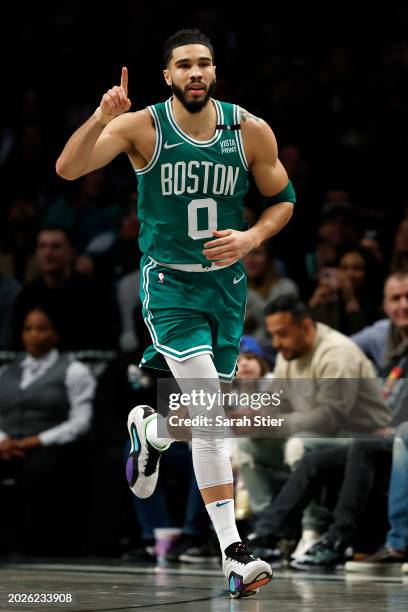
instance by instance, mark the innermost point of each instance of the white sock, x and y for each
(222, 514)
(151, 435)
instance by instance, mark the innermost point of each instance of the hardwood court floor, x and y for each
(114, 587)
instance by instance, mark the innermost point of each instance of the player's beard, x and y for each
(193, 106)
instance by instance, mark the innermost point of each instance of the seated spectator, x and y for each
(45, 411)
(336, 232)
(116, 254)
(309, 351)
(347, 297)
(360, 464)
(87, 212)
(17, 243)
(84, 312)
(331, 390)
(395, 550)
(357, 465)
(386, 338)
(265, 283)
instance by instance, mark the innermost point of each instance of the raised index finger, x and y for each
(124, 80)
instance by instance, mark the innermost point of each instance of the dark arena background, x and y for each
(332, 82)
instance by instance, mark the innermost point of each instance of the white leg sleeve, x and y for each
(211, 462)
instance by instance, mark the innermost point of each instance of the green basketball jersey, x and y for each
(190, 188)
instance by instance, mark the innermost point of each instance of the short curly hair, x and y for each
(186, 37)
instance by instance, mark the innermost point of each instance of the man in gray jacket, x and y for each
(330, 393)
(358, 465)
(330, 386)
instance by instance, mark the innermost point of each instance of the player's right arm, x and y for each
(110, 131)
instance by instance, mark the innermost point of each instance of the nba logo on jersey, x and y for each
(161, 278)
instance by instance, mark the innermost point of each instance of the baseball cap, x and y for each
(250, 345)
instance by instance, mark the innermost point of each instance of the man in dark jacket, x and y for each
(84, 312)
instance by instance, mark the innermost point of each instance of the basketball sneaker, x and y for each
(142, 467)
(244, 573)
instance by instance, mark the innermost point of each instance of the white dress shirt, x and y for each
(80, 385)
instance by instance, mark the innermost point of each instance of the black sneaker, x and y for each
(244, 573)
(208, 552)
(183, 543)
(324, 554)
(144, 553)
(266, 547)
(142, 468)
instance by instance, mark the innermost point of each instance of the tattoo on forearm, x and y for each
(244, 115)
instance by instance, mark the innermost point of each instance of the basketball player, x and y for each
(192, 156)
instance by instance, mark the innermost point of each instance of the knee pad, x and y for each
(208, 411)
(212, 465)
(211, 461)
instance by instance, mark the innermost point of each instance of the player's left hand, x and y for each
(229, 246)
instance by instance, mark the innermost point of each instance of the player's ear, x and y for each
(167, 77)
